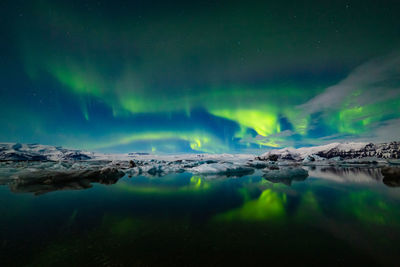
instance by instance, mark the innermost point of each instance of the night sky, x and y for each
(204, 76)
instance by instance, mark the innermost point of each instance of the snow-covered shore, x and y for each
(36, 156)
(40, 169)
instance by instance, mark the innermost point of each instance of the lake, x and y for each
(335, 216)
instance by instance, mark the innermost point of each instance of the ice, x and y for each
(258, 164)
(285, 175)
(225, 168)
(38, 169)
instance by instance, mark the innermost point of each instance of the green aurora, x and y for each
(199, 77)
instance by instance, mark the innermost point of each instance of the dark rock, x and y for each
(288, 157)
(273, 157)
(391, 176)
(132, 164)
(75, 156)
(19, 156)
(138, 153)
(257, 164)
(17, 146)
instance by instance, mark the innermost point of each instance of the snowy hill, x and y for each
(36, 152)
(338, 151)
(333, 151)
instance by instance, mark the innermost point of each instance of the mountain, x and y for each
(333, 151)
(37, 152)
(336, 151)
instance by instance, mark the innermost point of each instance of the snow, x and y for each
(25, 158)
(304, 152)
(18, 151)
(39, 169)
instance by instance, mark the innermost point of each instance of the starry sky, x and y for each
(199, 76)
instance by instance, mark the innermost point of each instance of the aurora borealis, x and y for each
(176, 76)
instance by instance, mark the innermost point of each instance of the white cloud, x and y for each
(376, 80)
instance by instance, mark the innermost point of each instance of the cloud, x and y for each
(375, 81)
(389, 130)
(283, 138)
(365, 106)
(380, 132)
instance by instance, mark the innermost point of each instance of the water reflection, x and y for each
(270, 205)
(285, 175)
(391, 176)
(205, 220)
(45, 181)
(347, 174)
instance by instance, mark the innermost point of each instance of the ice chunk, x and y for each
(285, 175)
(225, 168)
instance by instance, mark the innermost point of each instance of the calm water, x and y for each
(334, 217)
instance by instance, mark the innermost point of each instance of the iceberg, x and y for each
(285, 175)
(225, 168)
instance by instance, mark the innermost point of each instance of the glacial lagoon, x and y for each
(330, 216)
